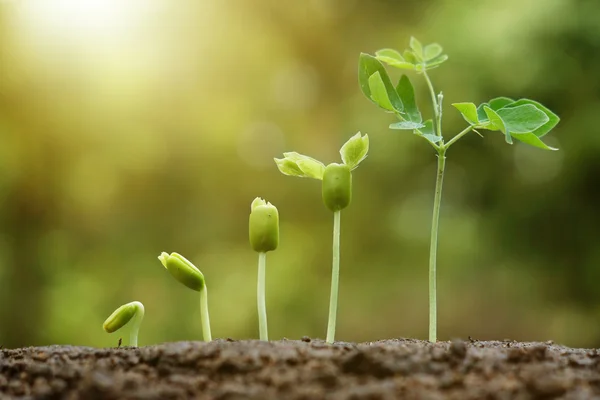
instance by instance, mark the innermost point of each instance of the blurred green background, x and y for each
(128, 128)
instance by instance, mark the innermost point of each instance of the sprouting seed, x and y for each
(264, 237)
(186, 273)
(121, 316)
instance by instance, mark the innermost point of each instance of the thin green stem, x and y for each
(135, 326)
(433, 249)
(204, 314)
(335, 277)
(436, 108)
(458, 136)
(262, 307)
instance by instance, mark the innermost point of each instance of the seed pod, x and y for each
(183, 270)
(337, 186)
(263, 226)
(121, 316)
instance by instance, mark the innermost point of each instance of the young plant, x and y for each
(122, 315)
(336, 190)
(524, 120)
(264, 236)
(185, 272)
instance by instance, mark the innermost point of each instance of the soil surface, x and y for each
(307, 369)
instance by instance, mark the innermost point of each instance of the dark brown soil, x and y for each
(310, 370)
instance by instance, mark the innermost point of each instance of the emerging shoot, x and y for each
(264, 236)
(336, 188)
(524, 120)
(121, 316)
(187, 273)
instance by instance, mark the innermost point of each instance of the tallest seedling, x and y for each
(524, 120)
(337, 194)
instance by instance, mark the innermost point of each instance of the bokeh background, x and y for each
(133, 127)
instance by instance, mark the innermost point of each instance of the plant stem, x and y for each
(433, 249)
(262, 307)
(204, 314)
(458, 136)
(135, 326)
(436, 110)
(335, 277)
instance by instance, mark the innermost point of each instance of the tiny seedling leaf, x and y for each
(369, 65)
(500, 102)
(288, 167)
(393, 59)
(468, 111)
(553, 119)
(406, 125)
(533, 140)
(407, 95)
(296, 164)
(354, 151)
(378, 92)
(431, 51)
(417, 48)
(525, 118)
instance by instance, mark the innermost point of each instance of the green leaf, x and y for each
(406, 125)
(500, 102)
(428, 132)
(481, 115)
(410, 57)
(407, 95)
(417, 48)
(553, 119)
(369, 65)
(432, 51)
(389, 53)
(468, 111)
(355, 150)
(496, 123)
(393, 59)
(296, 164)
(436, 61)
(378, 93)
(525, 118)
(533, 140)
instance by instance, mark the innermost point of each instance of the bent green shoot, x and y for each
(122, 315)
(336, 191)
(264, 237)
(524, 120)
(186, 273)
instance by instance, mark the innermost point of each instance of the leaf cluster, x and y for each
(525, 120)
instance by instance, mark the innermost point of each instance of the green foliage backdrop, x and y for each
(154, 128)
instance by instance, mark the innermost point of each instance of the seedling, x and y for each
(524, 120)
(185, 272)
(121, 316)
(264, 237)
(336, 190)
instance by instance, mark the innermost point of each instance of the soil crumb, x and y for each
(306, 369)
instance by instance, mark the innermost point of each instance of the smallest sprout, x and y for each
(122, 315)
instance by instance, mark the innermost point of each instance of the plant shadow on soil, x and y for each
(306, 369)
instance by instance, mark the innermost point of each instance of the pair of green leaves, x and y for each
(417, 58)
(525, 120)
(353, 152)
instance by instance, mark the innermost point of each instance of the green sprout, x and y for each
(524, 120)
(122, 315)
(185, 272)
(264, 236)
(337, 195)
